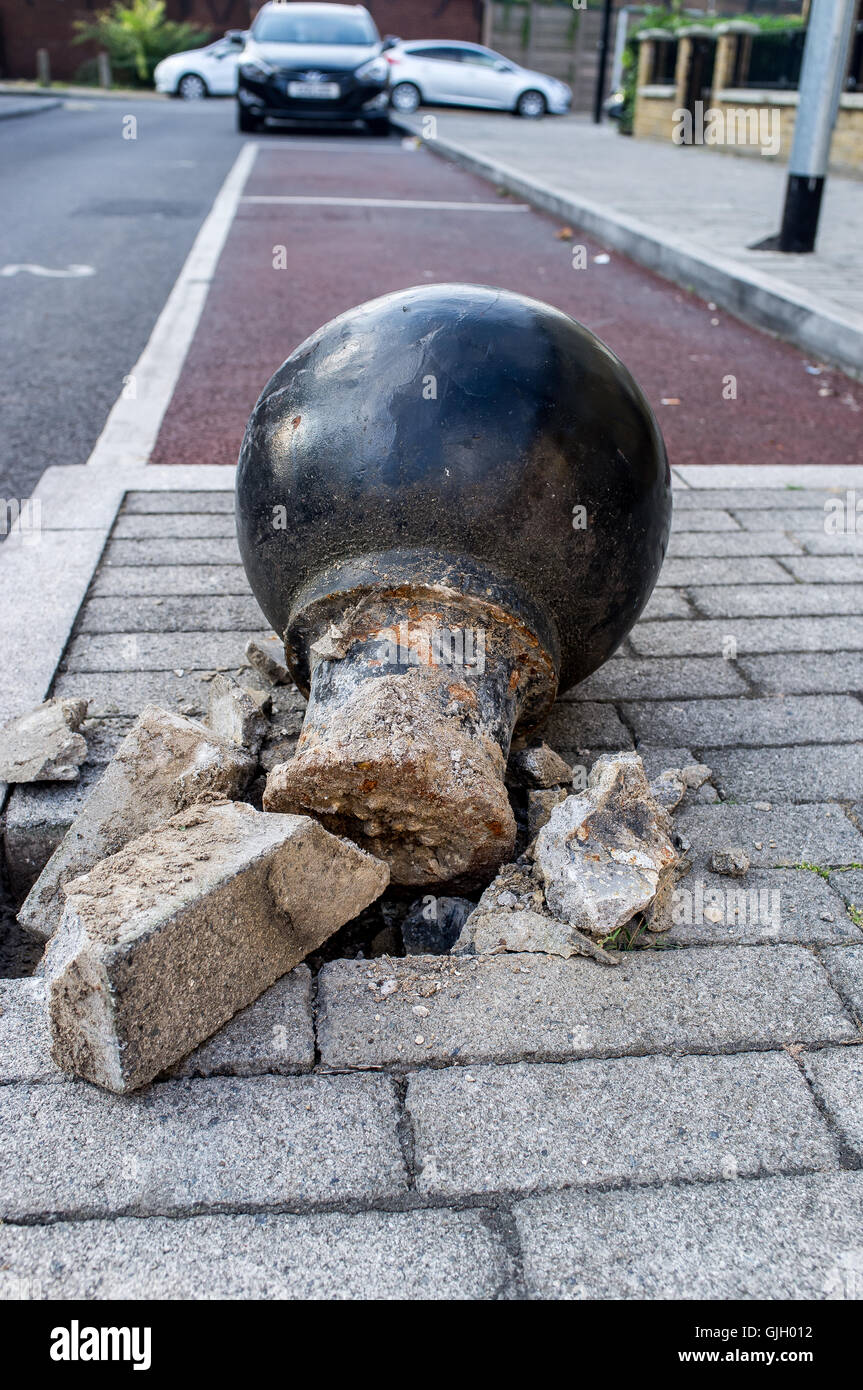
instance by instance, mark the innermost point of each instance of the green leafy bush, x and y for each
(136, 36)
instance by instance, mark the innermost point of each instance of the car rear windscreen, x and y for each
(272, 27)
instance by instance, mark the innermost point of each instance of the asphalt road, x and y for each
(77, 193)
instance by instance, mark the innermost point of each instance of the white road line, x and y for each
(300, 200)
(133, 425)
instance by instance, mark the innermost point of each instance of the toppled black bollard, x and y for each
(451, 502)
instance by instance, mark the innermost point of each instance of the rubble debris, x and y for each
(44, 745)
(668, 789)
(269, 660)
(165, 763)
(540, 804)
(234, 714)
(694, 775)
(162, 943)
(537, 766)
(433, 925)
(486, 933)
(604, 855)
(731, 860)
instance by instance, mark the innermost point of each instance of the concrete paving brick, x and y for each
(794, 519)
(779, 838)
(657, 758)
(173, 525)
(811, 773)
(790, 905)
(708, 636)
(215, 551)
(727, 723)
(716, 570)
(632, 1120)
(704, 519)
(666, 678)
(666, 603)
(213, 613)
(768, 600)
(816, 544)
(805, 674)
(192, 1145)
(126, 693)
(581, 724)
(156, 651)
(737, 499)
(778, 1238)
(104, 737)
(150, 503)
(412, 1255)
(275, 1034)
(506, 1007)
(849, 886)
(836, 1075)
(833, 569)
(170, 580)
(844, 965)
(730, 545)
(34, 823)
(25, 1048)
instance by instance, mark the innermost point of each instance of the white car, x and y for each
(202, 72)
(466, 74)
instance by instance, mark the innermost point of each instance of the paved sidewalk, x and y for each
(687, 1125)
(692, 201)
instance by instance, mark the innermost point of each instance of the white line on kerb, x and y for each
(133, 425)
(299, 200)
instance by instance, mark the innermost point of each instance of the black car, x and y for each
(313, 63)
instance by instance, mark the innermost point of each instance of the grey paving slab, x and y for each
(736, 499)
(815, 543)
(171, 580)
(210, 613)
(192, 1145)
(729, 545)
(781, 837)
(667, 603)
(159, 651)
(661, 678)
(777, 518)
(805, 673)
(126, 693)
(214, 551)
(150, 503)
(849, 886)
(34, 822)
(844, 964)
(810, 773)
(414, 1255)
(749, 636)
(777, 1238)
(507, 1007)
(727, 723)
(718, 570)
(171, 525)
(836, 1075)
(768, 600)
(25, 1053)
(582, 724)
(704, 519)
(832, 569)
(632, 1120)
(276, 1035)
(792, 905)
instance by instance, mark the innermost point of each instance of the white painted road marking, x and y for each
(72, 272)
(302, 201)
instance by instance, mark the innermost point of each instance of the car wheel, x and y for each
(379, 126)
(191, 87)
(531, 105)
(405, 97)
(246, 122)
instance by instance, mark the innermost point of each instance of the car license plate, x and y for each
(320, 91)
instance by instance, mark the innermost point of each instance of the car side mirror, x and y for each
(389, 42)
(502, 67)
(236, 38)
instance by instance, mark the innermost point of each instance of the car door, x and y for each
(439, 75)
(487, 79)
(221, 70)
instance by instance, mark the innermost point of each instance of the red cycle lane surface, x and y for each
(288, 268)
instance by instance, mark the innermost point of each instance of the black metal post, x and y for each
(604, 44)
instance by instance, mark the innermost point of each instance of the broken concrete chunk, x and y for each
(731, 860)
(537, 766)
(694, 775)
(44, 745)
(668, 789)
(604, 855)
(268, 659)
(487, 933)
(165, 763)
(540, 804)
(433, 925)
(162, 943)
(234, 714)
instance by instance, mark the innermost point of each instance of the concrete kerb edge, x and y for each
(757, 299)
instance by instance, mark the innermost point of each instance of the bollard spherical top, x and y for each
(469, 423)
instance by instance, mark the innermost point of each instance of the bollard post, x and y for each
(104, 69)
(43, 67)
